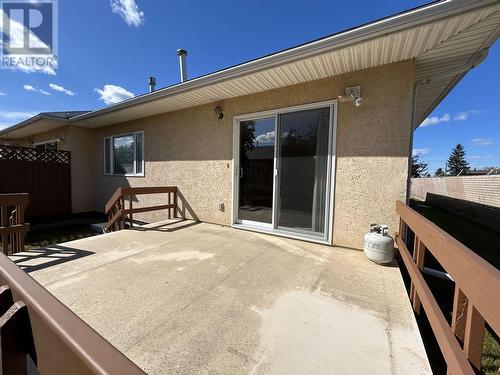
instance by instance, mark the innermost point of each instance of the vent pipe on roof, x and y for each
(182, 53)
(152, 84)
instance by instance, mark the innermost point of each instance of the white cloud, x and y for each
(15, 116)
(436, 120)
(111, 94)
(9, 118)
(17, 32)
(31, 88)
(481, 141)
(421, 151)
(58, 88)
(129, 11)
(460, 116)
(2, 93)
(266, 137)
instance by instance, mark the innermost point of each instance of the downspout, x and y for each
(410, 150)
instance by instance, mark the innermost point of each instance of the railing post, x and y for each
(402, 229)
(175, 203)
(4, 222)
(474, 335)
(459, 314)
(418, 257)
(169, 210)
(130, 217)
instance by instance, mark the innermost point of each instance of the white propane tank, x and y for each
(379, 246)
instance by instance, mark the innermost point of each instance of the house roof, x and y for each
(445, 38)
(39, 123)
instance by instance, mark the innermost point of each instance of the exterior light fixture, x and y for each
(352, 94)
(219, 112)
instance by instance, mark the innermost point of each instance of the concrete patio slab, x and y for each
(196, 298)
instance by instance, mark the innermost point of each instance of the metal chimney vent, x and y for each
(182, 53)
(152, 84)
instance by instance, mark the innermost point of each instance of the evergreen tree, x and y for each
(457, 164)
(439, 172)
(418, 169)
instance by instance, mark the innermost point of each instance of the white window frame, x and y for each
(111, 154)
(331, 168)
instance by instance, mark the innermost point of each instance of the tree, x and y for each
(440, 172)
(457, 164)
(418, 169)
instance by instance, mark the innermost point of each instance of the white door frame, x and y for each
(272, 228)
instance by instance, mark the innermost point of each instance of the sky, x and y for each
(109, 48)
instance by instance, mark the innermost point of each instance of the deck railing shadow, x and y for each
(38, 259)
(172, 226)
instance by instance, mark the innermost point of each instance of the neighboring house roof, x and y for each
(445, 38)
(40, 123)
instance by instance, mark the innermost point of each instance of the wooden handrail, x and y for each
(117, 213)
(112, 201)
(58, 341)
(13, 229)
(477, 289)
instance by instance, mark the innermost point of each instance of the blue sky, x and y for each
(107, 50)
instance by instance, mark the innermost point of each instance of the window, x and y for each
(124, 154)
(46, 146)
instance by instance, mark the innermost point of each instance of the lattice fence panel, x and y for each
(32, 154)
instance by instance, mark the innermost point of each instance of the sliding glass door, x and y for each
(302, 159)
(284, 163)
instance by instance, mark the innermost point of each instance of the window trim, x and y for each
(111, 155)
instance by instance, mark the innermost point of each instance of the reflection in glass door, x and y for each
(256, 172)
(284, 171)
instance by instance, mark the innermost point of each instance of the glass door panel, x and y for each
(302, 163)
(256, 173)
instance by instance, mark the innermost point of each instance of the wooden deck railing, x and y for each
(33, 322)
(13, 229)
(118, 213)
(477, 290)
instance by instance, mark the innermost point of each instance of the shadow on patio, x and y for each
(38, 259)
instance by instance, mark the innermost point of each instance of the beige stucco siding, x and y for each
(191, 149)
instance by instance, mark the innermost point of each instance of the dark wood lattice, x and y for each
(32, 154)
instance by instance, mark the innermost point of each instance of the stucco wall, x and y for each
(191, 149)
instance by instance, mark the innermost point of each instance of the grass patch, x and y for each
(490, 360)
(51, 236)
(484, 242)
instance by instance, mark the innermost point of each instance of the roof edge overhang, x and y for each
(29, 121)
(415, 17)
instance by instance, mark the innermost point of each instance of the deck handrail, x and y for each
(118, 214)
(34, 322)
(13, 229)
(477, 290)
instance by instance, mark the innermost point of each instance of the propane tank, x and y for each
(379, 246)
